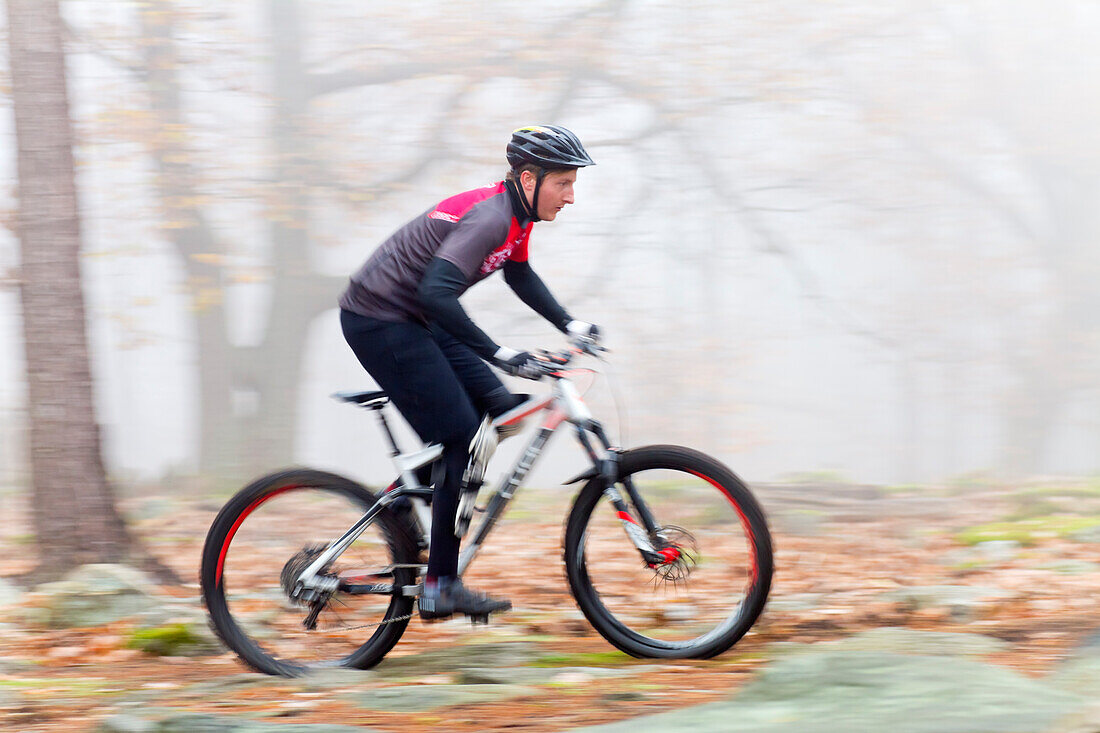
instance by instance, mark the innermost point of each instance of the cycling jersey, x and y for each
(477, 231)
(419, 273)
(401, 315)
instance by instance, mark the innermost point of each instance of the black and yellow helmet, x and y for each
(549, 146)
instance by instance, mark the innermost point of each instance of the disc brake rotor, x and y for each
(681, 561)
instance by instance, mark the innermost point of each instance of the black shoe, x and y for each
(457, 598)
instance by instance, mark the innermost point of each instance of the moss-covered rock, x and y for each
(174, 640)
(1029, 531)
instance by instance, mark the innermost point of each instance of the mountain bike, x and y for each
(666, 552)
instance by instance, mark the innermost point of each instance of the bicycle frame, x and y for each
(564, 404)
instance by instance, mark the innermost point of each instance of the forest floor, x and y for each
(848, 559)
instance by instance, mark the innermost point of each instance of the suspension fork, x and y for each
(608, 469)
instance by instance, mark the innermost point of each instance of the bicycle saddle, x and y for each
(374, 400)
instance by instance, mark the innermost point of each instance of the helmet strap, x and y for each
(535, 195)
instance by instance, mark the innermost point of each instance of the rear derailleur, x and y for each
(316, 597)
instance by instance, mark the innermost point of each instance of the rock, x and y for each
(1087, 721)
(14, 665)
(93, 595)
(1089, 534)
(197, 723)
(1080, 675)
(176, 640)
(842, 692)
(243, 681)
(9, 699)
(206, 723)
(125, 723)
(174, 611)
(1071, 567)
(186, 622)
(107, 577)
(795, 602)
(997, 550)
(303, 728)
(541, 675)
(961, 557)
(903, 641)
(10, 593)
(335, 678)
(505, 676)
(418, 698)
(627, 696)
(571, 678)
(455, 658)
(962, 601)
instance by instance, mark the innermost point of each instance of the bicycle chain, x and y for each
(406, 617)
(370, 626)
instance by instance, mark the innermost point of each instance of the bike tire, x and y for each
(710, 473)
(397, 537)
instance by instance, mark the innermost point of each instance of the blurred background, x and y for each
(851, 239)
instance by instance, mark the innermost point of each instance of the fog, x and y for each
(851, 239)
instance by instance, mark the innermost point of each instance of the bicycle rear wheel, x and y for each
(711, 586)
(271, 531)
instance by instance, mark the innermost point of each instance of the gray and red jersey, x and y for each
(477, 231)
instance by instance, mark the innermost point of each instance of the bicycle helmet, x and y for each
(548, 146)
(551, 148)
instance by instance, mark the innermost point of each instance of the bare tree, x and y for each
(75, 518)
(269, 373)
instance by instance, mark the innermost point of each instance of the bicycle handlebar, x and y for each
(552, 362)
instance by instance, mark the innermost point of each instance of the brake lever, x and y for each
(589, 345)
(553, 358)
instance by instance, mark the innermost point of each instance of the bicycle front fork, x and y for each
(639, 533)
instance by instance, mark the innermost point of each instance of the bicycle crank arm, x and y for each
(363, 589)
(363, 582)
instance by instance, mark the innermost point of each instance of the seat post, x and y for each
(389, 434)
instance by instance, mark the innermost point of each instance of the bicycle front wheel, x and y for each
(712, 580)
(267, 535)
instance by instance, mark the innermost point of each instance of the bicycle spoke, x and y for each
(695, 591)
(278, 533)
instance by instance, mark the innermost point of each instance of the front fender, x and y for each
(608, 469)
(583, 476)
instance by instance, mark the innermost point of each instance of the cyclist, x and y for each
(401, 316)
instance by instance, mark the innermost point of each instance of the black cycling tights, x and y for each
(441, 388)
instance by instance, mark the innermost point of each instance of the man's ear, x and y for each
(527, 181)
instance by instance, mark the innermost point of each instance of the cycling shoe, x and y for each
(438, 603)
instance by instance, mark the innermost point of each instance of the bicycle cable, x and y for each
(620, 407)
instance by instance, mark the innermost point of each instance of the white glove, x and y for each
(518, 363)
(583, 329)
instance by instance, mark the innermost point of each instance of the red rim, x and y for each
(744, 522)
(233, 530)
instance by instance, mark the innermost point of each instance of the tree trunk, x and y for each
(234, 447)
(275, 366)
(74, 515)
(219, 442)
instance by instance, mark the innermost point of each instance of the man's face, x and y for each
(555, 193)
